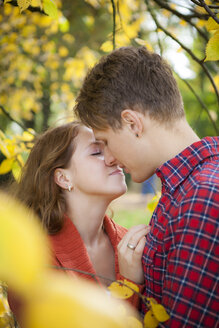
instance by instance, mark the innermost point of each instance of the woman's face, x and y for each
(88, 171)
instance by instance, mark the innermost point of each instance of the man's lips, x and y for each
(117, 171)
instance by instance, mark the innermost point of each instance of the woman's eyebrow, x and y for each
(98, 143)
(95, 143)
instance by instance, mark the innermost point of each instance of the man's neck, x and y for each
(168, 141)
(176, 139)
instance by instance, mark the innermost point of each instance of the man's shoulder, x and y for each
(209, 171)
(206, 174)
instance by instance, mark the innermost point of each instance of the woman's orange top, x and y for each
(70, 251)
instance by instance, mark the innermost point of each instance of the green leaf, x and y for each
(212, 48)
(63, 24)
(16, 170)
(50, 8)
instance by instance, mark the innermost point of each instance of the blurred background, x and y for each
(46, 48)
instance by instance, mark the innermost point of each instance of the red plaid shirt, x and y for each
(180, 260)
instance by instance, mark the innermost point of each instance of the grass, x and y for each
(131, 217)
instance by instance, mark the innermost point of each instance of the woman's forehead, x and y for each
(86, 138)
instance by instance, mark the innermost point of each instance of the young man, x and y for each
(131, 100)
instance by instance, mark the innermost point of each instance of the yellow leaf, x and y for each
(20, 159)
(6, 321)
(6, 165)
(2, 135)
(64, 302)
(133, 322)
(166, 13)
(216, 80)
(68, 38)
(4, 307)
(89, 21)
(50, 8)
(37, 3)
(63, 24)
(23, 4)
(180, 49)
(16, 170)
(211, 24)
(201, 23)
(150, 321)
(159, 312)
(118, 290)
(107, 46)
(63, 51)
(94, 3)
(26, 136)
(173, 5)
(131, 285)
(200, 10)
(212, 48)
(8, 148)
(23, 247)
(153, 203)
(182, 22)
(144, 43)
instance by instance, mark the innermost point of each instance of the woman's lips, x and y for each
(117, 171)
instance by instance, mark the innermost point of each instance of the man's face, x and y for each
(123, 148)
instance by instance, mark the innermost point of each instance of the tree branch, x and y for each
(114, 24)
(30, 8)
(200, 62)
(196, 2)
(11, 118)
(159, 43)
(211, 13)
(144, 299)
(201, 103)
(163, 4)
(186, 18)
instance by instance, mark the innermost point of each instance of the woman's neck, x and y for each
(87, 213)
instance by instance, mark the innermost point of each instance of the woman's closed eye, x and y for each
(97, 153)
(97, 149)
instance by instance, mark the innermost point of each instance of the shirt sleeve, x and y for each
(190, 289)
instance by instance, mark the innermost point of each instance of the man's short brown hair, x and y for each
(128, 78)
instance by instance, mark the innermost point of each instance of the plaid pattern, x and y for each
(180, 259)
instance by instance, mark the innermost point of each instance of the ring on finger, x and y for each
(130, 246)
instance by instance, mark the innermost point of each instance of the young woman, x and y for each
(68, 184)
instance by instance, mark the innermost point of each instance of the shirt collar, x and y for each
(177, 169)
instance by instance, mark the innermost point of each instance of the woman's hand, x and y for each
(130, 251)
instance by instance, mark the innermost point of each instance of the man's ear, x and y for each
(61, 179)
(133, 120)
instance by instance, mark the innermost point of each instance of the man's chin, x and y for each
(136, 179)
(139, 179)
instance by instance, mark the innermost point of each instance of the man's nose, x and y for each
(109, 158)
